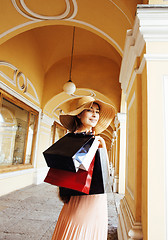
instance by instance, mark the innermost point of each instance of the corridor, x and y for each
(32, 213)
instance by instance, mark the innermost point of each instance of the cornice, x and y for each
(151, 25)
(153, 22)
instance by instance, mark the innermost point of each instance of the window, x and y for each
(57, 132)
(17, 133)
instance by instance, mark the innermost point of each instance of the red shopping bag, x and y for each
(79, 181)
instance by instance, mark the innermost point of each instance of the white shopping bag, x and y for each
(83, 158)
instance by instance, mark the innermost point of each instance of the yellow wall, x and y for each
(144, 213)
(15, 182)
(43, 144)
(22, 52)
(134, 158)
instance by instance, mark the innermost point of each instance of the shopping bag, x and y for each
(79, 181)
(60, 154)
(83, 158)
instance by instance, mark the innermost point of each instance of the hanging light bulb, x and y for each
(69, 87)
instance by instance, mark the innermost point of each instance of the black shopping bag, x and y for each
(60, 154)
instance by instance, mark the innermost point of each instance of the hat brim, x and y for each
(107, 113)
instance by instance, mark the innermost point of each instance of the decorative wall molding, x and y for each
(11, 91)
(128, 228)
(135, 72)
(134, 45)
(16, 173)
(28, 13)
(156, 57)
(25, 86)
(153, 21)
(71, 19)
(151, 25)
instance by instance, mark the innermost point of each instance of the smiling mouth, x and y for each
(93, 120)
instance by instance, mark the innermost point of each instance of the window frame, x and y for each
(55, 124)
(30, 110)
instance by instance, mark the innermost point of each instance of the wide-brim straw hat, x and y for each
(77, 105)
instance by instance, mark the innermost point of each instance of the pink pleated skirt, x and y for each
(83, 218)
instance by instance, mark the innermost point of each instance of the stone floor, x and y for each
(32, 213)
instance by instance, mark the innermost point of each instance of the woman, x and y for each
(84, 217)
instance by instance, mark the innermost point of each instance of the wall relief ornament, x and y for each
(27, 9)
(17, 78)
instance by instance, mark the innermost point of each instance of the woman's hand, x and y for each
(102, 142)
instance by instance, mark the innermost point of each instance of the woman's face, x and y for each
(89, 117)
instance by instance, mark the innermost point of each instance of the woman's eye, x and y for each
(97, 112)
(89, 110)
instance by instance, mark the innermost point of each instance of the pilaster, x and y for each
(143, 73)
(122, 155)
(43, 143)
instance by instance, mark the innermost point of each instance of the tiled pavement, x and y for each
(32, 213)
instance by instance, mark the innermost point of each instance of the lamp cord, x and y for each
(73, 38)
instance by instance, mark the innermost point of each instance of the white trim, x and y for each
(37, 140)
(29, 95)
(18, 27)
(127, 227)
(165, 90)
(129, 106)
(151, 25)
(15, 81)
(156, 57)
(68, 19)
(134, 45)
(8, 89)
(34, 16)
(16, 173)
(153, 22)
(135, 72)
(75, 9)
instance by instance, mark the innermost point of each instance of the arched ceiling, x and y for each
(55, 44)
(48, 25)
